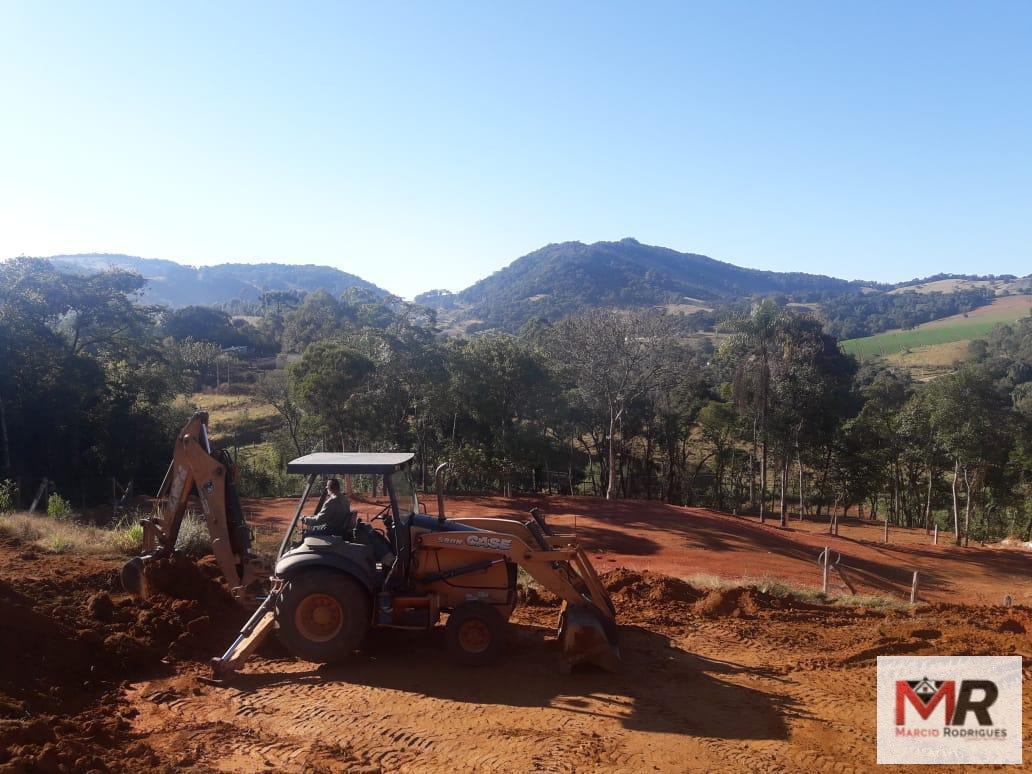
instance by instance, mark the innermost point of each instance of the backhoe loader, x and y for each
(326, 591)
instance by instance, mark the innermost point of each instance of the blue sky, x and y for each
(426, 145)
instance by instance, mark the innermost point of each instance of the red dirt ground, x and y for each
(734, 680)
(685, 542)
(721, 680)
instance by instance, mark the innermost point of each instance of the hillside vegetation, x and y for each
(173, 284)
(615, 403)
(563, 279)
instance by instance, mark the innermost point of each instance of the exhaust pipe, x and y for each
(439, 486)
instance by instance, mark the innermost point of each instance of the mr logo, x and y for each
(970, 712)
(975, 697)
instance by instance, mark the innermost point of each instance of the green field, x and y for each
(958, 328)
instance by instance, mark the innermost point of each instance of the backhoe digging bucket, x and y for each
(132, 577)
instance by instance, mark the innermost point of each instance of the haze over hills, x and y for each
(173, 284)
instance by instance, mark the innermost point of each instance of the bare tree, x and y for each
(613, 358)
(274, 389)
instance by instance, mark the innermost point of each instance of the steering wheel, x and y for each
(381, 513)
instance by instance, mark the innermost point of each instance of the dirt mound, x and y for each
(71, 637)
(180, 577)
(641, 586)
(733, 602)
(97, 740)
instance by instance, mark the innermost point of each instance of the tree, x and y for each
(327, 380)
(613, 358)
(201, 323)
(275, 389)
(750, 348)
(969, 418)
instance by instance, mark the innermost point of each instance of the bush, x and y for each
(194, 540)
(59, 508)
(59, 544)
(127, 538)
(8, 497)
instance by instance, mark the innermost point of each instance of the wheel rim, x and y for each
(474, 636)
(319, 617)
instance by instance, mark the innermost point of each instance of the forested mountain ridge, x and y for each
(177, 285)
(564, 278)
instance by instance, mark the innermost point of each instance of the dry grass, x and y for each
(933, 356)
(686, 308)
(238, 418)
(62, 537)
(778, 588)
(124, 539)
(765, 583)
(1020, 285)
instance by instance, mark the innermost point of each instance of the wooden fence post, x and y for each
(935, 536)
(914, 587)
(824, 570)
(885, 539)
(43, 490)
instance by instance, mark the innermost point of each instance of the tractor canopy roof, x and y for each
(344, 463)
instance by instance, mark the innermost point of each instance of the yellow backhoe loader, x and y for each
(327, 590)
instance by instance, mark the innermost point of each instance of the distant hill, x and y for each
(560, 279)
(174, 284)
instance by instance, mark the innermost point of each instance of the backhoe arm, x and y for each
(196, 468)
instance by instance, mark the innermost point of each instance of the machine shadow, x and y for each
(660, 688)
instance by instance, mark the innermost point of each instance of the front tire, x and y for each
(475, 634)
(322, 615)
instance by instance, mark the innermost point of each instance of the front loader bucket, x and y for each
(587, 637)
(587, 631)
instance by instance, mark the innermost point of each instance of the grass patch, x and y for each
(240, 419)
(57, 536)
(59, 544)
(766, 584)
(974, 325)
(66, 537)
(871, 601)
(778, 588)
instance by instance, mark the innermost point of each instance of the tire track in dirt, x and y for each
(764, 689)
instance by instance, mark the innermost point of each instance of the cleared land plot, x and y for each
(975, 324)
(688, 542)
(712, 680)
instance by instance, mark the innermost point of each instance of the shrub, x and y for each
(8, 497)
(59, 544)
(194, 540)
(127, 538)
(59, 508)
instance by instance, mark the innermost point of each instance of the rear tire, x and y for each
(322, 615)
(475, 634)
